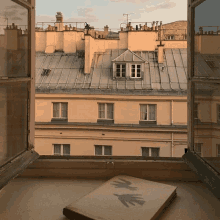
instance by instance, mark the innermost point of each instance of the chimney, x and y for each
(160, 53)
(200, 30)
(153, 26)
(59, 17)
(106, 29)
(136, 27)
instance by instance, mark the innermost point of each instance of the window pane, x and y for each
(155, 152)
(56, 110)
(64, 110)
(145, 151)
(13, 39)
(102, 110)
(118, 70)
(66, 149)
(143, 112)
(57, 149)
(13, 119)
(109, 111)
(152, 112)
(98, 150)
(107, 150)
(132, 70)
(123, 70)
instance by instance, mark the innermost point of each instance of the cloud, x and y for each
(87, 14)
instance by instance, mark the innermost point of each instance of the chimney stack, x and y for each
(153, 26)
(200, 30)
(59, 17)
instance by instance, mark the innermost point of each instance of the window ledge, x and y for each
(147, 122)
(105, 121)
(57, 120)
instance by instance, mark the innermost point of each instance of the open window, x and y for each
(17, 88)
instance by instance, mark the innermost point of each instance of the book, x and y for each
(123, 197)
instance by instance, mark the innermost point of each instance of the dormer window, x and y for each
(120, 70)
(170, 37)
(135, 70)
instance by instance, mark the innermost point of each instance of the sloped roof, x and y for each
(128, 56)
(67, 74)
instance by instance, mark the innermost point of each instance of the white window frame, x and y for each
(171, 37)
(103, 151)
(61, 152)
(150, 151)
(106, 110)
(120, 70)
(135, 71)
(60, 109)
(148, 112)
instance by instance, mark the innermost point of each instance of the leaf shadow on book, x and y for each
(126, 199)
(124, 184)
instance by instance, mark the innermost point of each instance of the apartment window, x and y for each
(60, 110)
(106, 111)
(170, 37)
(135, 70)
(198, 148)
(103, 150)
(150, 151)
(120, 70)
(148, 112)
(218, 150)
(184, 37)
(62, 149)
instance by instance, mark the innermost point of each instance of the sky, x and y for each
(99, 13)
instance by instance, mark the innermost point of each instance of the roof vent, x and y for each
(46, 72)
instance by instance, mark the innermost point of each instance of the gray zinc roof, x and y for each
(67, 74)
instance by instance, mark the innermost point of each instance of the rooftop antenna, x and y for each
(127, 16)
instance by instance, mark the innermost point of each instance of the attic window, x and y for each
(46, 72)
(170, 37)
(120, 70)
(135, 71)
(212, 64)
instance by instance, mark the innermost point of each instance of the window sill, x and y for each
(147, 122)
(105, 121)
(59, 120)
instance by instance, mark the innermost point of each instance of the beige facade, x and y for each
(126, 132)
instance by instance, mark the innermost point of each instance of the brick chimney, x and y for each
(59, 21)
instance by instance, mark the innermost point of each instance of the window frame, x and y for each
(61, 150)
(18, 163)
(135, 64)
(106, 111)
(103, 150)
(171, 37)
(149, 113)
(60, 110)
(150, 151)
(121, 65)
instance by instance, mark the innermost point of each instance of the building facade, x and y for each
(101, 95)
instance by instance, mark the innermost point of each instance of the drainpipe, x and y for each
(172, 144)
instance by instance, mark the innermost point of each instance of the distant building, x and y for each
(101, 95)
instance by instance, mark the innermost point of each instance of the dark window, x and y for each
(103, 150)
(148, 112)
(120, 70)
(106, 111)
(62, 149)
(150, 151)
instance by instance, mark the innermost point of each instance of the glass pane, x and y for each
(98, 150)
(155, 152)
(101, 110)
(152, 112)
(64, 110)
(145, 151)
(57, 149)
(56, 107)
(66, 149)
(13, 119)
(109, 111)
(13, 40)
(123, 70)
(143, 112)
(132, 70)
(107, 150)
